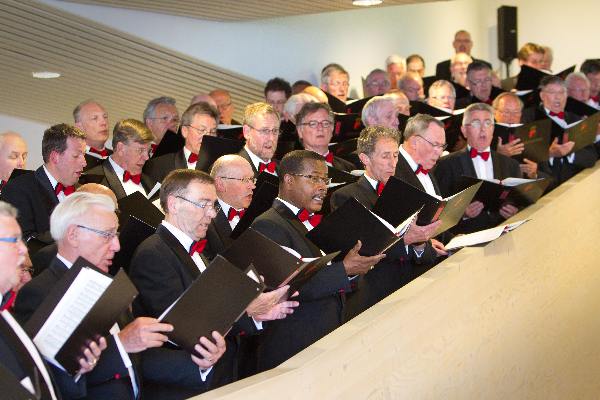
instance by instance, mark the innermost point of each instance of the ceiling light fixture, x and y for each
(45, 75)
(366, 3)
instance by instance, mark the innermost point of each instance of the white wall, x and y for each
(31, 131)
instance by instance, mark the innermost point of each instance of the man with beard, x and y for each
(261, 131)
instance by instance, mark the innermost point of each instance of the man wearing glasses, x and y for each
(122, 171)
(198, 120)
(477, 161)
(479, 82)
(303, 184)
(314, 124)
(160, 116)
(335, 81)
(225, 106)
(377, 83)
(261, 131)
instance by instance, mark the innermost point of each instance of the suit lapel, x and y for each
(222, 227)
(147, 183)
(466, 164)
(407, 174)
(496, 165)
(46, 186)
(113, 180)
(181, 253)
(180, 161)
(296, 225)
(367, 190)
(243, 153)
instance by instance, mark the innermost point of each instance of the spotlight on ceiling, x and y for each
(366, 3)
(45, 75)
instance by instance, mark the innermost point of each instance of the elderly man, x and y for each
(20, 359)
(415, 64)
(13, 154)
(302, 187)
(122, 171)
(377, 83)
(396, 68)
(380, 111)
(477, 161)
(294, 104)
(160, 116)
(198, 120)
(412, 86)
(564, 163)
(442, 94)
(591, 69)
(36, 194)
(578, 87)
(462, 44)
(277, 91)
(225, 106)
(458, 68)
(529, 54)
(92, 119)
(203, 98)
(400, 100)
(335, 81)
(479, 82)
(315, 128)
(261, 131)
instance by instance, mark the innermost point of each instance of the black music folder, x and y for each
(171, 142)
(84, 304)
(235, 132)
(534, 135)
(346, 126)
(340, 230)
(529, 78)
(131, 234)
(420, 107)
(214, 147)
(213, 302)
(356, 106)
(580, 108)
(337, 105)
(137, 205)
(344, 147)
(452, 129)
(339, 176)
(90, 178)
(517, 191)
(262, 200)
(278, 269)
(400, 199)
(583, 133)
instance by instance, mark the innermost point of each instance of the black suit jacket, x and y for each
(561, 169)
(218, 235)
(321, 305)
(342, 165)
(92, 161)
(158, 168)
(448, 172)
(34, 197)
(101, 382)
(112, 181)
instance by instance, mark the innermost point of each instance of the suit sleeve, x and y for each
(338, 198)
(20, 197)
(586, 157)
(172, 367)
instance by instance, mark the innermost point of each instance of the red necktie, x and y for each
(379, 188)
(595, 98)
(134, 178)
(192, 158)
(233, 212)
(421, 170)
(329, 158)
(560, 115)
(102, 153)
(67, 190)
(197, 247)
(10, 301)
(313, 219)
(270, 167)
(483, 154)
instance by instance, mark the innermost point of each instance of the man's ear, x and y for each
(364, 159)
(246, 131)
(72, 236)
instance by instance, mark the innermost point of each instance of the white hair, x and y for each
(71, 211)
(395, 59)
(576, 75)
(371, 107)
(293, 105)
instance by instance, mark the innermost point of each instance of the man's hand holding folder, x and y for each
(269, 305)
(355, 264)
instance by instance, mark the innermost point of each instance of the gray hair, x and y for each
(419, 123)
(77, 110)
(576, 75)
(370, 135)
(74, 208)
(440, 84)
(152, 104)
(476, 107)
(295, 102)
(395, 59)
(333, 67)
(371, 107)
(7, 210)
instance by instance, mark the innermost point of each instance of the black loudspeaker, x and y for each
(507, 33)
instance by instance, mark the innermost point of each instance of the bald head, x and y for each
(316, 93)
(97, 188)
(13, 153)
(203, 98)
(234, 180)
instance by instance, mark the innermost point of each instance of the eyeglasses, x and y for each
(107, 235)
(316, 179)
(12, 239)
(378, 84)
(477, 124)
(204, 131)
(167, 118)
(245, 180)
(481, 82)
(434, 145)
(339, 83)
(207, 205)
(223, 106)
(267, 131)
(316, 124)
(444, 98)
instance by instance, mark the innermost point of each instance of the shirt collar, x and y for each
(224, 206)
(186, 153)
(181, 237)
(117, 168)
(413, 165)
(292, 207)
(256, 160)
(67, 263)
(486, 149)
(53, 181)
(371, 181)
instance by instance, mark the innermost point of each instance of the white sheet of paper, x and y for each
(155, 189)
(484, 236)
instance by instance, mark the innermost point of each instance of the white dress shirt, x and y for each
(483, 169)
(225, 208)
(256, 160)
(129, 186)
(61, 196)
(563, 124)
(425, 179)
(186, 154)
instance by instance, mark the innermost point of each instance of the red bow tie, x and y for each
(483, 154)
(197, 247)
(270, 167)
(67, 190)
(192, 158)
(313, 219)
(421, 170)
(102, 153)
(329, 158)
(134, 178)
(233, 212)
(595, 98)
(560, 115)
(153, 147)
(379, 188)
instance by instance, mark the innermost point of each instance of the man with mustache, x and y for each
(92, 119)
(261, 131)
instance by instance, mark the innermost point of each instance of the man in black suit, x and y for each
(198, 120)
(479, 81)
(378, 151)
(36, 194)
(314, 124)
(166, 264)
(122, 171)
(477, 161)
(235, 183)
(302, 187)
(92, 119)
(19, 358)
(13, 154)
(161, 115)
(462, 44)
(564, 163)
(261, 131)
